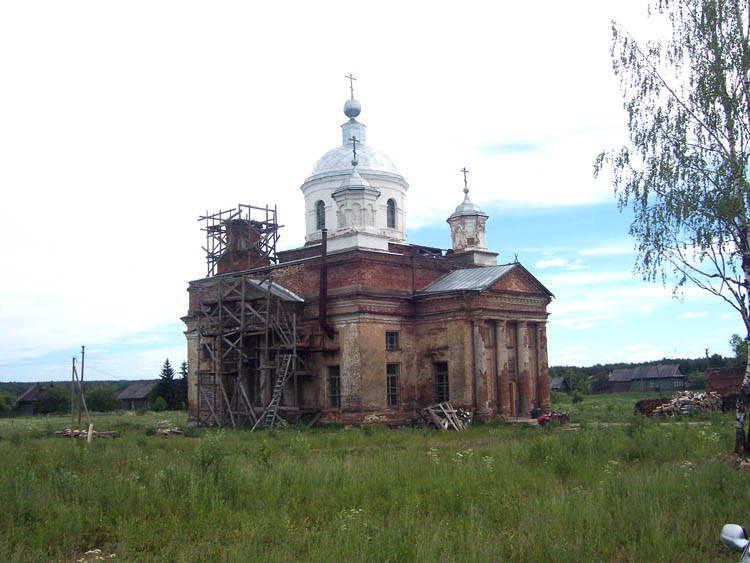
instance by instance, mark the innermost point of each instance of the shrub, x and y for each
(159, 405)
(53, 399)
(577, 397)
(102, 399)
(6, 402)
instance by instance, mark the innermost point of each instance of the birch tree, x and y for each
(684, 172)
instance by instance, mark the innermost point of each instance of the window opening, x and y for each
(392, 384)
(391, 214)
(442, 392)
(391, 340)
(320, 215)
(334, 386)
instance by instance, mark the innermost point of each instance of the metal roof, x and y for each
(278, 290)
(646, 372)
(469, 279)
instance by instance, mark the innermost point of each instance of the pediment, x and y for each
(519, 280)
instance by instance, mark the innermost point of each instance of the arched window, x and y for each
(320, 215)
(391, 214)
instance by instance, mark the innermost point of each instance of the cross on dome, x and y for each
(351, 83)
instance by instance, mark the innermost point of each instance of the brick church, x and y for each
(358, 325)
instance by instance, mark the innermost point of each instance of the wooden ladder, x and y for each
(269, 416)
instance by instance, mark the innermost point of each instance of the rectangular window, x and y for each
(334, 386)
(489, 330)
(440, 382)
(392, 371)
(391, 340)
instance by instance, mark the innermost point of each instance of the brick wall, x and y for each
(724, 381)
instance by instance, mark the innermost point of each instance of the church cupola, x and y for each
(362, 205)
(356, 202)
(468, 233)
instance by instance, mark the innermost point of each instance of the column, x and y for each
(501, 369)
(524, 370)
(193, 359)
(480, 391)
(542, 385)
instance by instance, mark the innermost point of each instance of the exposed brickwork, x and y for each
(725, 381)
(474, 334)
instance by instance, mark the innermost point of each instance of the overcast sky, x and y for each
(121, 122)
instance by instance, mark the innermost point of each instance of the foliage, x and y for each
(159, 405)
(102, 398)
(684, 174)
(6, 402)
(54, 398)
(624, 493)
(739, 347)
(696, 381)
(173, 391)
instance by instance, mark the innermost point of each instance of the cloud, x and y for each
(592, 278)
(691, 315)
(606, 251)
(560, 263)
(510, 147)
(554, 262)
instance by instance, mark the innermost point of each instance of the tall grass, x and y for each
(639, 492)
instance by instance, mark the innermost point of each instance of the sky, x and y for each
(122, 122)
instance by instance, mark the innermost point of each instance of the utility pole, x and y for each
(72, 394)
(708, 360)
(80, 398)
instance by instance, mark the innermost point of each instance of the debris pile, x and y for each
(646, 407)
(68, 433)
(444, 417)
(165, 428)
(686, 401)
(740, 463)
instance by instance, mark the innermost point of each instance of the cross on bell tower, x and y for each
(466, 185)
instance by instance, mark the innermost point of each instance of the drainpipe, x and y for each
(323, 296)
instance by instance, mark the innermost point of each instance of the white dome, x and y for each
(338, 161)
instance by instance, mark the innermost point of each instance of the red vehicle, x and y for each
(559, 417)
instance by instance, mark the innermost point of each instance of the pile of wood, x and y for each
(646, 407)
(685, 402)
(68, 433)
(165, 428)
(444, 417)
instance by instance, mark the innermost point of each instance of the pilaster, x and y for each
(524, 371)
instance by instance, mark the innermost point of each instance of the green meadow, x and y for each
(637, 491)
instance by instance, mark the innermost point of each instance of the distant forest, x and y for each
(16, 389)
(694, 368)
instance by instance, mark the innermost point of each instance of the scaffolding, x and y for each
(245, 231)
(249, 349)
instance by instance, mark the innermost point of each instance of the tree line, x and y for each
(169, 393)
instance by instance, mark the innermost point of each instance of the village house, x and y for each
(26, 403)
(358, 325)
(135, 395)
(661, 377)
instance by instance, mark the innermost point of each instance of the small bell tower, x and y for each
(468, 233)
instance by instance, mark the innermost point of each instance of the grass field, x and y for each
(638, 492)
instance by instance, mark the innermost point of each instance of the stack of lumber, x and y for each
(68, 433)
(165, 428)
(445, 417)
(686, 401)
